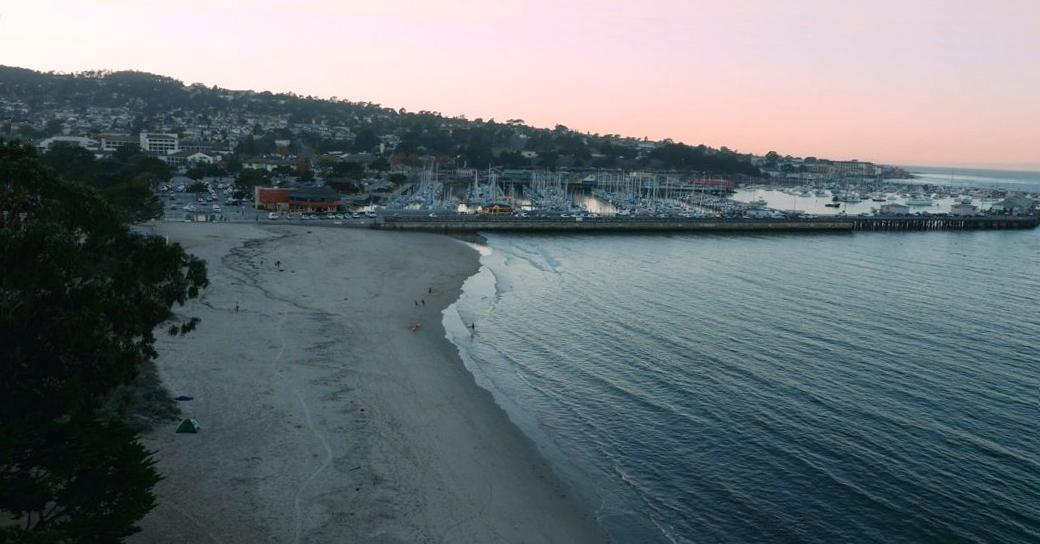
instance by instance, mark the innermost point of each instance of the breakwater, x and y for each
(675, 224)
(946, 223)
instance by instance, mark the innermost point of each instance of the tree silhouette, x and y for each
(80, 298)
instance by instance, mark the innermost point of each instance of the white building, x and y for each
(161, 143)
(964, 209)
(893, 208)
(1014, 205)
(81, 141)
(114, 142)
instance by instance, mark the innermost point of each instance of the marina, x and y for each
(645, 202)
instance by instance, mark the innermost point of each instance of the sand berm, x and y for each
(325, 418)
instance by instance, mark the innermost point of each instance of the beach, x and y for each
(333, 408)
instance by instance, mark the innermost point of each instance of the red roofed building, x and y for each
(716, 186)
(316, 199)
(272, 199)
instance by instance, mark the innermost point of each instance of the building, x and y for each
(185, 158)
(713, 186)
(204, 146)
(497, 208)
(160, 143)
(269, 198)
(113, 142)
(89, 144)
(514, 176)
(964, 209)
(893, 208)
(1015, 205)
(315, 199)
(303, 200)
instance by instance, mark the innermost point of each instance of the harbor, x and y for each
(644, 203)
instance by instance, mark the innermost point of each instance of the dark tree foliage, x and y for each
(80, 298)
(72, 163)
(380, 165)
(347, 169)
(512, 159)
(702, 159)
(249, 178)
(126, 179)
(366, 140)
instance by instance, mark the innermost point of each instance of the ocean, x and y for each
(692, 388)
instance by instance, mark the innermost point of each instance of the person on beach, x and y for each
(236, 306)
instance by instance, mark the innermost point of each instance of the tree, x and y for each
(54, 127)
(512, 159)
(126, 179)
(348, 169)
(366, 140)
(72, 163)
(249, 178)
(380, 165)
(302, 168)
(233, 164)
(80, 298)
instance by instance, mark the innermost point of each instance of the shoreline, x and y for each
(324, 417)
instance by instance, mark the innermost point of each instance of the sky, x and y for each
(904, 82)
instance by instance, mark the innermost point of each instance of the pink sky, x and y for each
(952, 82)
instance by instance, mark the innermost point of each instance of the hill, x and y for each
(35, 105)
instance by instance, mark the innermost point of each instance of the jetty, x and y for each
(474, 223)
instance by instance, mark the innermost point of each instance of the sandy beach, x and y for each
(325, 417)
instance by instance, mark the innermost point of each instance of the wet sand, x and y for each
(325, 417)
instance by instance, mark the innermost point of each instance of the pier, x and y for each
(946, 223)
(470, 223)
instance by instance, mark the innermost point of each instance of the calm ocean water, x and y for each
(870, 387)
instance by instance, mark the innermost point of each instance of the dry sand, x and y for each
(324, 418)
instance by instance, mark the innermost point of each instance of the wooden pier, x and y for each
(470, 223)
(946, 223)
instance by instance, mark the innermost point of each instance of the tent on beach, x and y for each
(189, 426)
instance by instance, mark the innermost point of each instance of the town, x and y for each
(247, 155)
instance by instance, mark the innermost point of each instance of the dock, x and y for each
(475, 223)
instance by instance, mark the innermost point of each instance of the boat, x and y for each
(848, 196)
(833, 204)
(919, 200)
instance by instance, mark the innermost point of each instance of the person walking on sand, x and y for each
(236, 306)
(424, 302)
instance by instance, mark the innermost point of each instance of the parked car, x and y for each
(272, 215)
